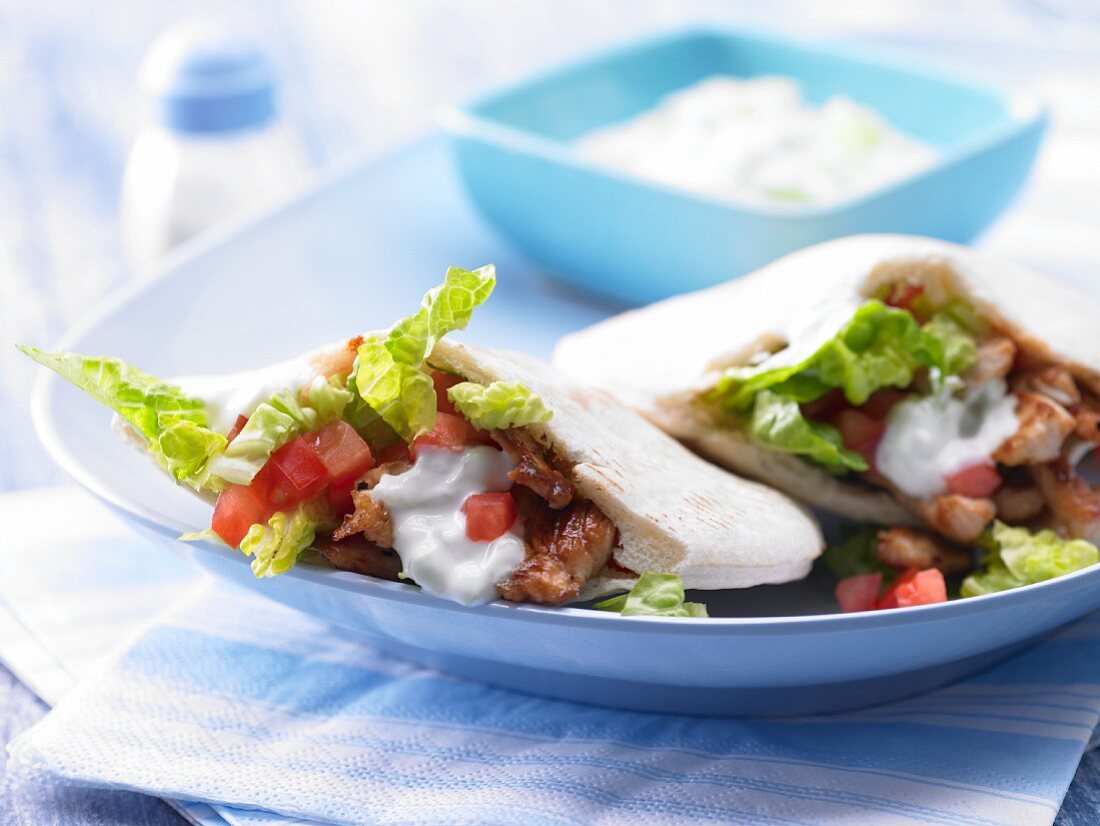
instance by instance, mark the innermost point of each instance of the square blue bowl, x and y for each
(637, 241)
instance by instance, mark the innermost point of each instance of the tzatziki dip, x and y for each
(757, 142)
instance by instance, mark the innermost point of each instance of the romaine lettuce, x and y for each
(498, 405)
(173, 424)
(1015, 557)
(275, 547)
(275, 422)
(388, 373)
(654, 595)
(777, 423)
(857, 554)
(879, 347)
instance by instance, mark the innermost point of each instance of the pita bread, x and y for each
(660, 357)
(675, 513)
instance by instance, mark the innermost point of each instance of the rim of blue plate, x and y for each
(1027, 112)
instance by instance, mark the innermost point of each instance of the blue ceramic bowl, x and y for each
(637, 241)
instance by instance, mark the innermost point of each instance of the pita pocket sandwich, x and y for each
(473, 473)
(944, 395)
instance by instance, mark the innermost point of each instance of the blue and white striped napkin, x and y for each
(230, 700)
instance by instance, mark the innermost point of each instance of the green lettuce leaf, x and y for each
(879, 347)
(777, 423)
(499, 405)
(949, 346)
(654, 595)
(1015, 557)
(275, 547)
(856, 554)
(173, 424)
(275, 422)
(388, 371)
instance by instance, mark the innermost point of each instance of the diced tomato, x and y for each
(858, 593)
(975, 481)
(397, 452)
(452, 432)
(488, 515)
(915, 587)
(339, 498)
(292, 475)
(238, 426)
(860, 432)
(239, 507)
(443, 382)
(827, 406)
(903, 294)
(342, 451)
(882, 402)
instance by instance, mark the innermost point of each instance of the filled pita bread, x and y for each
(674, 513)
(670, 511)
(663, 359)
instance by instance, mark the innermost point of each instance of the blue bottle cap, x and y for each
(205, 78)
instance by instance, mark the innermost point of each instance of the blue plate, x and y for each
(637, 241)
(354, 254)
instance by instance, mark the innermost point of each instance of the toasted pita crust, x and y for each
(675, 513)
(660, 357)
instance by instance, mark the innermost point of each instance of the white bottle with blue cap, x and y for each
(215, 148)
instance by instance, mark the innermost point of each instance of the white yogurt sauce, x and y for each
(429, 528)
(928, 439)
(228, 396)
(755, 141)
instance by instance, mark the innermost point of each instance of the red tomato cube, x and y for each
(239, 507)
(975, 481)
(397, 452)
(860, 432)
(340, 499)
(915, 587)
(882, 402)
(292, 475)
(451, 431)
(443, 382)
(489, 515)
(342, 451)
(858, 593)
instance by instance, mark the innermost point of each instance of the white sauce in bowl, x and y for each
(756, 142)
(928, 439)
(429, 528)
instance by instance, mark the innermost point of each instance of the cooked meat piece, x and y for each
(564, 549)
(360, 556)
(1052, 381)
(959, 518)
(1088, 425)
(369, 518)
(1074, 505)
(1044, 426)
(372, 476)
(902, 547)
(995, 358)
(338, 362)
(532, 470)
(1016, 504)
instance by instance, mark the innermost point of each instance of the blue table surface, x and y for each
(362, 78)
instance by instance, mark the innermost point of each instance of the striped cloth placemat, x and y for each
(231, 700)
